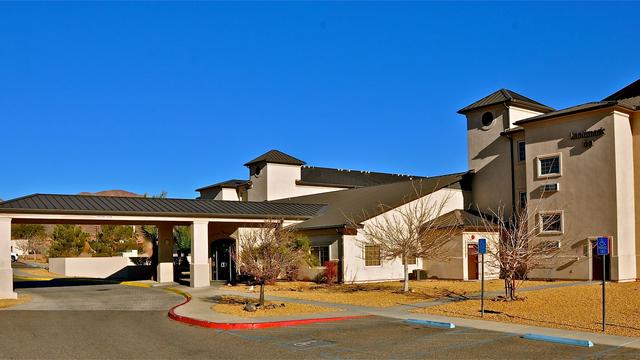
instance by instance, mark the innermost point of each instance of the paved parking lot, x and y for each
(98, 331)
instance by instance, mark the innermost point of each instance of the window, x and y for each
(549, 165)
(521, 151)
(487, 119)
(551, 223)
(372, 255)
(523, 199)
(320, 253)
(411, 260)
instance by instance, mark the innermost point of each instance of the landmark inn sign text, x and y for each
(587, 136)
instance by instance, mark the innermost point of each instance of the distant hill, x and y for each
(122, 193)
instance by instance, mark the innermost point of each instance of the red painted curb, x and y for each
(247, 326)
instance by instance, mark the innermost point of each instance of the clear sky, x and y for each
(173, 96)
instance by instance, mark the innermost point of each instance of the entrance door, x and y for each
(472, 261)
(596, 264)
(222, 260)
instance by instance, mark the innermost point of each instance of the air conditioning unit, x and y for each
(551, 187)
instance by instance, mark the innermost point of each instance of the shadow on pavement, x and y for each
(28, 284)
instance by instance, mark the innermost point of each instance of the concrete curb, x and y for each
(558, 340)
(248, 325)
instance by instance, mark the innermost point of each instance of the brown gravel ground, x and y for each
(383, 294)
(575, 307)
(234, 305)
(5, 303)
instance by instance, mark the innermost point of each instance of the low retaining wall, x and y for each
(116, 267)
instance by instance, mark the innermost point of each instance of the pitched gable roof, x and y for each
(463, 219)
(345, 206)
(629, 91)
(319, 176)
(506, 96)
(276, 157)
(234, 183)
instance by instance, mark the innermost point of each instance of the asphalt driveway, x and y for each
(118, 321)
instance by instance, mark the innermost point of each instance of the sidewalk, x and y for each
(198, 308)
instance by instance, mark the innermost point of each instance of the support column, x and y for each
(199, 268)
(165, 253)
(6, 272)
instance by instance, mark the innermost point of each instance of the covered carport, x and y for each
(209, 220)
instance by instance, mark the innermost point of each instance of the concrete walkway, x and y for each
(203, 298)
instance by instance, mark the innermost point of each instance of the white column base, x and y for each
(6, 284)
(199, 275)
(165, 272)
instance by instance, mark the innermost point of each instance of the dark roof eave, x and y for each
(543, 109)
(308, 183)
(156, 214)
(554, 115)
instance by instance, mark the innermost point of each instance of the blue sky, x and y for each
(173, 96)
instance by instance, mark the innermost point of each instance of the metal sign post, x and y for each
(482, 249)
(603, 250)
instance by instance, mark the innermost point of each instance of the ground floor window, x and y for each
(372, 255)
(411, 260)
(321, 254)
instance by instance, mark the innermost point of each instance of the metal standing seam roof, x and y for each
(577, 109)
(234, 183)
(503, 96)
(311, 175)
(277, 157)
(113, 205)
(464, 219)
(356, 205)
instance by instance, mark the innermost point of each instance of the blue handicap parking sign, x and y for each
(603, 246)
(482, 246)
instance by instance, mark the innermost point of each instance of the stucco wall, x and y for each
(354, 266)
(489, 155)
(596, 190)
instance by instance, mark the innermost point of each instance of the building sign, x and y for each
(587, 135)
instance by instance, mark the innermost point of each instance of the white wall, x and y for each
(354, 265)
(94, 267)
(229, 194)
(517, 114)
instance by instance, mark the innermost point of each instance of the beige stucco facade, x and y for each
(595, 191)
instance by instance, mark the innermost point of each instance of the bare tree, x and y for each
(409, 231)
(519, 248)
(267, 251)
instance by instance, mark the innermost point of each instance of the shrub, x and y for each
(330, 273)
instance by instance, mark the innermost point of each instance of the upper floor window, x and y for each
(411, 260)
(549, 165)
(487, 119)
(551, 222)
(521, 153)
(523, 199)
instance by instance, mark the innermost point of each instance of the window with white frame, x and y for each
(320, 253)
(551, 222)
(549, 165)
(372, 255)
(522, 156)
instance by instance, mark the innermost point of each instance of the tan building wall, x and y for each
(596, 195)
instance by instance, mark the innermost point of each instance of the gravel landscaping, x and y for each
(384, 294)
(234, 305)
(574, 307)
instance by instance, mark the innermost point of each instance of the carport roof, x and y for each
(113, 205)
